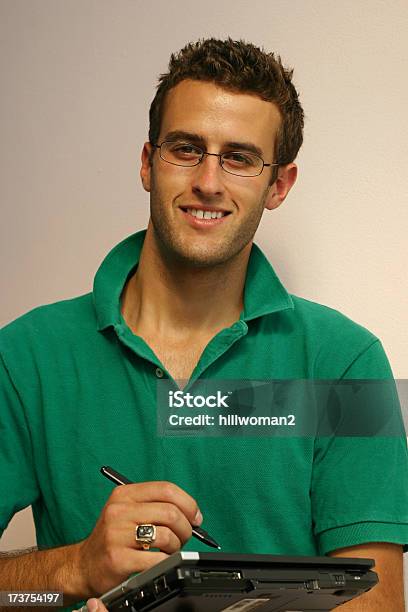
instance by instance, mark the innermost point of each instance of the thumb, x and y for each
(93, 605)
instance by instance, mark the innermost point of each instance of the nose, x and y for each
(208, 177)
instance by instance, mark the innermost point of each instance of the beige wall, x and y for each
(77, 78)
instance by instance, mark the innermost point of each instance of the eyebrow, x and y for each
(200, 141)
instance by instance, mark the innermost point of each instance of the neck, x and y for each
(167, 297)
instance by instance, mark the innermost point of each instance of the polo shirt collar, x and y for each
(264, 293)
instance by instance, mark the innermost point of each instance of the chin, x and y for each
(196, 253)
(203, 258)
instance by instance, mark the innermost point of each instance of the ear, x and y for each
(146, 166)
(280, 188)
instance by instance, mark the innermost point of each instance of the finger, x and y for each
(93, 605)
(161, 491)
(124, 536)
(165, 540)
(139, 560)
(127, 515)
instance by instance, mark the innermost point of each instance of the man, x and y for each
(193, 298)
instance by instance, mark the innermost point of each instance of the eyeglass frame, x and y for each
(219, 155)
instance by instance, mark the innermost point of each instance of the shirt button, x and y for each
(159, 373)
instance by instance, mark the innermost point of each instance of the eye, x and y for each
(239, 159)
(184, 150)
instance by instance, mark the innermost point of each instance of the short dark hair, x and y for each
(238, 66)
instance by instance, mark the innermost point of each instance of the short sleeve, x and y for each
(19, 487)
(359, 489)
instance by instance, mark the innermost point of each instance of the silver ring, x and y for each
(145, 535)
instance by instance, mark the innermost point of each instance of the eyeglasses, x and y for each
(240, 163)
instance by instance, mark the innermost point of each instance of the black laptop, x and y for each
(222, 582)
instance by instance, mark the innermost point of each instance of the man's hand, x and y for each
(93, 605)
(388, 594)
(111, 553)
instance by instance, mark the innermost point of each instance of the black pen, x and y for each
(118, 479)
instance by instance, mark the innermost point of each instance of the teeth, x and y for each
(205, 214)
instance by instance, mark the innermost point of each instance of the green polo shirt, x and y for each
(78, 391)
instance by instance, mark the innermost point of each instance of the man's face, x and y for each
(218, 121)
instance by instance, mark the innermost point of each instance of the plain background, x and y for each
(77, 79)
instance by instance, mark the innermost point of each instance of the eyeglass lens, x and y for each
(241, 163)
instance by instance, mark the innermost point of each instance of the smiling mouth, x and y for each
(202, 213)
